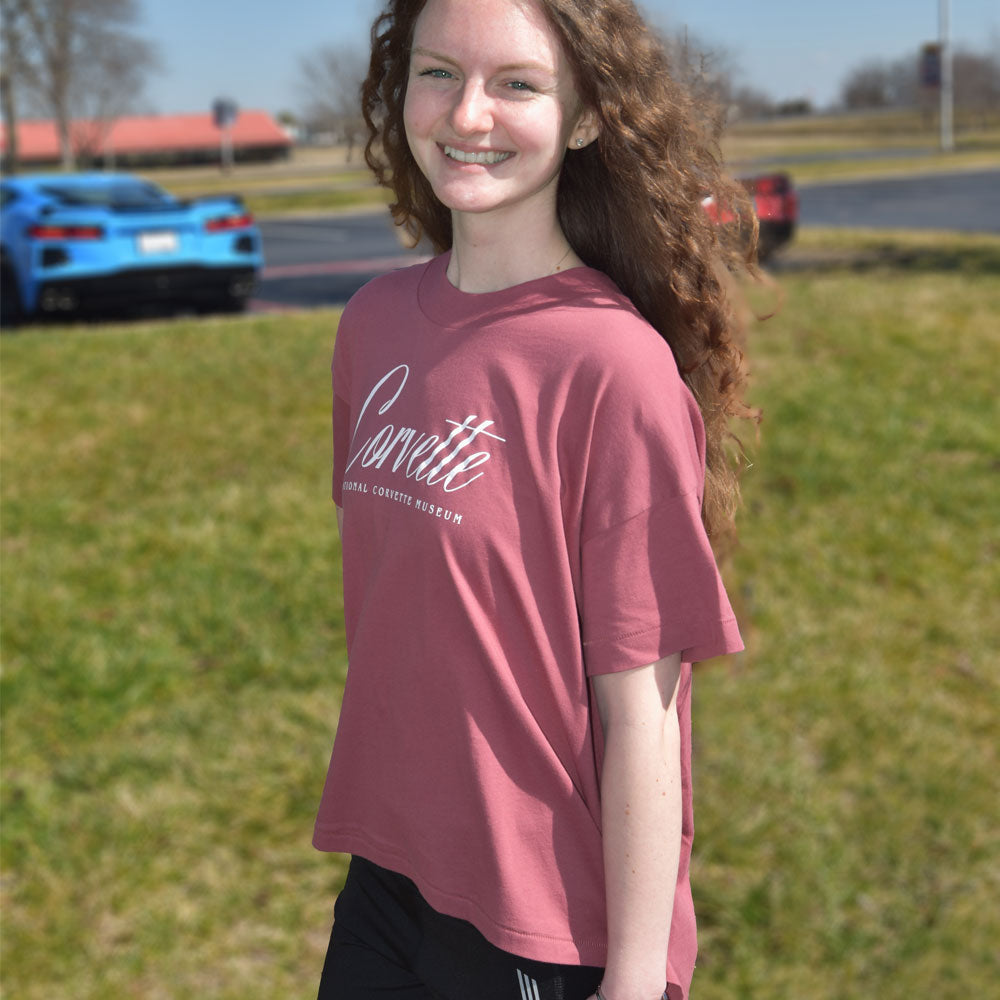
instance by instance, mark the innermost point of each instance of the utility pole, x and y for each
(947, 79)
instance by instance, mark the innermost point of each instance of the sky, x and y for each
(249, 50)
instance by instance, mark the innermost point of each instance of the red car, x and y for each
(777, 208)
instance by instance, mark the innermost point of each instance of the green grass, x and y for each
(173, 657)
(828, 171)
(313, 180)
(878, 127)
(310, 201)
(173, 649)
(818, 148)
(847, 764)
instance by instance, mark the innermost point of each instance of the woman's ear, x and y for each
(586, 131)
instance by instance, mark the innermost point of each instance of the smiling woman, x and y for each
(490, 110)
(511, 770)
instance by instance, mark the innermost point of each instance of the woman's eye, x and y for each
(436, 74)
(521, 86)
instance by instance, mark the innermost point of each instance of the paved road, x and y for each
(965, 201)
(323, 261)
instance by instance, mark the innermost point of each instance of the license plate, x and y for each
(158, 242)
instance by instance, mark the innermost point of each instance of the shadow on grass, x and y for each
(121, 315)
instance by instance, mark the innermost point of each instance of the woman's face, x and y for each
(490, 105)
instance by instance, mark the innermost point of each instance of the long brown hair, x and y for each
(630, 203)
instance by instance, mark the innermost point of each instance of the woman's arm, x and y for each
(340, 521)
(641, 817)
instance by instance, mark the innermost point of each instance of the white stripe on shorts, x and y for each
(529, 987)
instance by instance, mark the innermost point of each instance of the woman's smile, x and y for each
(486, 157)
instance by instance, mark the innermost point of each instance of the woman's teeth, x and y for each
(484, 157)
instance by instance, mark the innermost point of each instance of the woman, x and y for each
(520, 476)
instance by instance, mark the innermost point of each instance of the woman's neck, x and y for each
(487, 257)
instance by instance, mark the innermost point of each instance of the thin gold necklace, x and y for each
(569, 250)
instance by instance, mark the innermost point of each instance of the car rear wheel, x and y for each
(11, 312)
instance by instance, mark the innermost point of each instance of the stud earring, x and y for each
(579, 143)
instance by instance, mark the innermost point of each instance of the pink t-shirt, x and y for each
(521, 476)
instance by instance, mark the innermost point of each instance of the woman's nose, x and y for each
(472, 111)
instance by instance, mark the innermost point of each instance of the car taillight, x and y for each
(774, 184)
(224, 223)
(43, 232)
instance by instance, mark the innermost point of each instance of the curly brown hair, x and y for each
(630, 203)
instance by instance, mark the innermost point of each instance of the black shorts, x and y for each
(387, 942)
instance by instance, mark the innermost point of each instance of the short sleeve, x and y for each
(650, 586)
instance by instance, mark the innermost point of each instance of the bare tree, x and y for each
(880, 83)
(977, 80)
(749, 102)
(330, 83)
(867, 86)
(81, 63)
(11, 72)
(707, 71)
(713, 75)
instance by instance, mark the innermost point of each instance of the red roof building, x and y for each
(147, 139)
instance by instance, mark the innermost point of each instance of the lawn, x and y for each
(848, 790)
(173, 649)
(312, 180)
(173, 655)
(821, 148)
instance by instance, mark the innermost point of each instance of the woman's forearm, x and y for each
(641, 816)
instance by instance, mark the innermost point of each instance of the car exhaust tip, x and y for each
(58, 300)
(241, 288)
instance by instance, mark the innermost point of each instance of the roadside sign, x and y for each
(224, 112)
(930, 65)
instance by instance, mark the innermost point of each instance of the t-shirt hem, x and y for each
(533, 945)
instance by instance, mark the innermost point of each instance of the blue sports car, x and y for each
(97, 242)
